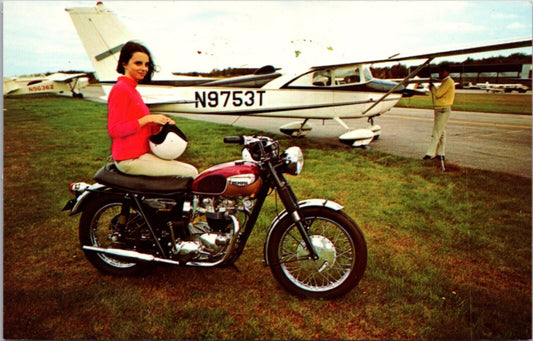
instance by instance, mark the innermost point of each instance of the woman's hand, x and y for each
(157, 119)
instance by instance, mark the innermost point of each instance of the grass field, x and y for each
(449, 253)
(498, 103)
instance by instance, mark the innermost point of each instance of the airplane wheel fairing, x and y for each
(357, 138)
(296, 129)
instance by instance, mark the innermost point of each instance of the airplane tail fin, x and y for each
(102, 36)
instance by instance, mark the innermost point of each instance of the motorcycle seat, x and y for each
(109, 175)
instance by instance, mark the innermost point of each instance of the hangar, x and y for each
(480, 73)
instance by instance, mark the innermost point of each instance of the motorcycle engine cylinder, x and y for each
(218, 221)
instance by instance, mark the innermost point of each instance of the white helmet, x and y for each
(169, 143)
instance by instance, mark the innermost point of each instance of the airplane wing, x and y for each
(64, 77)
(506, 45)
(11, 91)
(518, 43)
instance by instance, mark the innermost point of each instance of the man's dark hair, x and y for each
(444, 67)
(127, 52)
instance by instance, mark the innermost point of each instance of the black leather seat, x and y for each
(109, 175)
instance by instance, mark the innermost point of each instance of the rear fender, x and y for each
(81, 201)
(332, 205)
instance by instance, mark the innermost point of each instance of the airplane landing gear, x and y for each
(375, 128)
(360, 138)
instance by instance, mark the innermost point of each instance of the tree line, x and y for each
(401, 71)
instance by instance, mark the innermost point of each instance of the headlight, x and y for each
(246, 156)
(260, 147)
(294, 159)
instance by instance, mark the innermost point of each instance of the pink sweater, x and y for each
(125, 107)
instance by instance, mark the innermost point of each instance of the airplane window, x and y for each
(322, 78)
(352, 79)
(304, 80)
(313, 79)
(345, 76)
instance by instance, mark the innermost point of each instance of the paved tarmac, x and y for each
(495, 142)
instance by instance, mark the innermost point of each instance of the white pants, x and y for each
(151, 165)
(437, 146)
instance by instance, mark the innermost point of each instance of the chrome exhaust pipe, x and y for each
(144, 257)
(130, 255)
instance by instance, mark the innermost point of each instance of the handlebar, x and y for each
(258, 146)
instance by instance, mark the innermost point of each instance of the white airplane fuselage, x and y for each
(334, 91)
(312, 104)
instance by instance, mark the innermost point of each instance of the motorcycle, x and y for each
(130, 223)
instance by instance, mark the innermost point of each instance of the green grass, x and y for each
(449, 253)
(497, 103)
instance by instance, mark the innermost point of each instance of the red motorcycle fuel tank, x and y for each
(233, 179)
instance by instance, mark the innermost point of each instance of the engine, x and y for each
(212, 229)
(223, 197)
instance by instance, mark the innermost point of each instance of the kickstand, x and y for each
(235, 267)
(442, 165)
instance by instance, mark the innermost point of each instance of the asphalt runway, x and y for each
(495, 142)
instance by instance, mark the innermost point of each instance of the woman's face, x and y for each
(137, 66)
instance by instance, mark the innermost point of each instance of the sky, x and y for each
(183, 36)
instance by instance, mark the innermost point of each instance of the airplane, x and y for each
(498, 88)
(336, 91)
(57, 83)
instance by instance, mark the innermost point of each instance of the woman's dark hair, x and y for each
(127, 52)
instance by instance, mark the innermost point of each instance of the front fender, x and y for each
(306, 203)
(302, 204)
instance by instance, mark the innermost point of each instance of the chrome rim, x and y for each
(103, 232)
(336, 251)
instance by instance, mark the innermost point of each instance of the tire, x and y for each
(340, 245)
(98, 224)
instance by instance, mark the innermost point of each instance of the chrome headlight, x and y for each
(294, 159)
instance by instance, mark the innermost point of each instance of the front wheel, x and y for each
(340, 245)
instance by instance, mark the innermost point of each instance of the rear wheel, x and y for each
(109, 222)
(341, 248)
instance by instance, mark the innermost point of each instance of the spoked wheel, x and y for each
(341, 248)
(106, 224)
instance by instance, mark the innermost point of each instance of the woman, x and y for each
(130, 123)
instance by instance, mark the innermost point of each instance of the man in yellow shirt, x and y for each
(443, 97)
